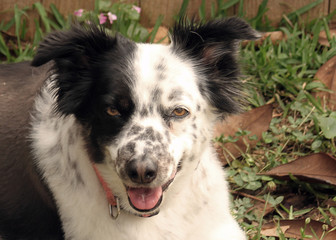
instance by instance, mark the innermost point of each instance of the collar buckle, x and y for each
(115, 214)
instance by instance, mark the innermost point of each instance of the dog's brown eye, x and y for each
(180, 112)
(113, 112)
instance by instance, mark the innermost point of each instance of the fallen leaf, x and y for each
(260, 210)
(292, 229)
(323, 40)
(275, 37)
(327, 75)
(273, 231)
(318, 167)
(161, 35)
(256, 121)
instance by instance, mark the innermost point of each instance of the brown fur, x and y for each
(26, 206)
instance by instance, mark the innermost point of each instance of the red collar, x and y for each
(112, 200)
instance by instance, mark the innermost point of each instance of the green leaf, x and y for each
(316, 145)
(3, 48)
(328, 126)
(302, 212)
(44, 16)
(59, 17)
(266, 178)
(237, 179)
(332, 210)
(314, 85)
(253, 186)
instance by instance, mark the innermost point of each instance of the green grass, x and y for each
(19, 47)
(281, 74)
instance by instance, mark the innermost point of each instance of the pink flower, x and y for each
(112, 17)
(102, 18)
(79, 12)
(138, 9)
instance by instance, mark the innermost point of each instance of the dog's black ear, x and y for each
(78, 45)
(75, 54)
(213, 48)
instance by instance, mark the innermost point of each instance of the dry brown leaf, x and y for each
(275, 37)
(161, 35)
(318, 167)
(256, 121)
(292, 229)
(323, 40)
(327, 75)
(260, 210)
(273, 231)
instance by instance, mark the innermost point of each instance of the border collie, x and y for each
(120, 138)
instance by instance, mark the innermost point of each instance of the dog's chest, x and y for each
(89, 219)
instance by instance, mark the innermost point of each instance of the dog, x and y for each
(118, 144)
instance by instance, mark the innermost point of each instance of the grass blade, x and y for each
(256, 22)
(4, 49)
(302, 10)
(38, 33)
(17, 21)
(156, 28)
(229, 4)
(44, 16)
(59, 17)
(183, 9)
(241, 12)
(314, 102)
(8, 25)
(202, 11)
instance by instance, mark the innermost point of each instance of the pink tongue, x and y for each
(144, 198)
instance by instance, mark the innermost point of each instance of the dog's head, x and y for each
(147, 110)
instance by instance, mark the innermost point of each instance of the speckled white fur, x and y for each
(195, 206)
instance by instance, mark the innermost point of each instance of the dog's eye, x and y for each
(180, 112)
(112, 112)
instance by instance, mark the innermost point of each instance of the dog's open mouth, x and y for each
(147, 199)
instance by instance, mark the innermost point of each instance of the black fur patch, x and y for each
(214, 45)
(92, 74)
(161, 70)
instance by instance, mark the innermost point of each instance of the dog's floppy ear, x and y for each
(75, 54)
(212, 47)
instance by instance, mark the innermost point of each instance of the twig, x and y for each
(247, 195)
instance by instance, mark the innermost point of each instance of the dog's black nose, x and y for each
(141, 171)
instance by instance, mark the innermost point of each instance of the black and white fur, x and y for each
(144, 114)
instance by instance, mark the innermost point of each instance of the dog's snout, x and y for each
(141, 171)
